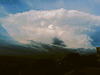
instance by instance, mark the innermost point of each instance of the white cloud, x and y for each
(70, 26)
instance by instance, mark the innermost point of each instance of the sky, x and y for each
(75, 22)
(17, 6)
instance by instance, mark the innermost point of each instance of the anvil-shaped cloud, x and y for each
(70, 26)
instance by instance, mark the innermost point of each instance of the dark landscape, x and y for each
(71, 64)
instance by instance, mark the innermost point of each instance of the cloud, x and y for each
(70, 26)
(3, 12)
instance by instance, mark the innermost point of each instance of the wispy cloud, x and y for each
(15, 6)
(84, 5)
(3, 12)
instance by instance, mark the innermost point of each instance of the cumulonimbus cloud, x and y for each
(70, 26)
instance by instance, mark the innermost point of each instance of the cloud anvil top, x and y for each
(70, 26)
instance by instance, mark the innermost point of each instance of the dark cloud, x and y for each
(57, 41)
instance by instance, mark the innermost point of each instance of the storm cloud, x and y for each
(70, 26)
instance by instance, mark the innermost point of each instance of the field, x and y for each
(50, 64)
